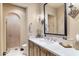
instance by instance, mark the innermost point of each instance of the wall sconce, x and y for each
(41, 20)
(73, 11)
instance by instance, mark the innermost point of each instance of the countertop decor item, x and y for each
(66, 46)
(38, 33)
(73, 11)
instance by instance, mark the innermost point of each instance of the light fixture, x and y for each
(73, 11)
(41, 20)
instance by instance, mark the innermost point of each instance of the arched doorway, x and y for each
(12, 30)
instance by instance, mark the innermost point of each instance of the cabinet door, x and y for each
(31, 48)
(43, 52)
(28, 48)
(48, 53)
(35, 50)
(39, 50)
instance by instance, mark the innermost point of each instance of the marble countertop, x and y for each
(55, 47)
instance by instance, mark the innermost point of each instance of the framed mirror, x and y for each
(55, 19)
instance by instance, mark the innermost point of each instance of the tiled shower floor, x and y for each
(15, 52)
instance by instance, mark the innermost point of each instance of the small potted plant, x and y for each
(39, 33)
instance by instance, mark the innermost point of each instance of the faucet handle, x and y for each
(65, 38)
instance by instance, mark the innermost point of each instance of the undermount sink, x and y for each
(65, 46)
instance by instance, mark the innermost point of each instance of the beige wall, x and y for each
(1, 31)
(32, 17)
(0, 28)
(73, 25)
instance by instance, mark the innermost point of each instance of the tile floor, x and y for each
(15, 52)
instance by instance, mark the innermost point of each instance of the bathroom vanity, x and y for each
(43, 47)
(37, 50)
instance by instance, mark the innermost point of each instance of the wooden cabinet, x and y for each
(30, 49)
(35, 50)
(44, 52)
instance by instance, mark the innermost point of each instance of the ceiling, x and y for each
(55, 5)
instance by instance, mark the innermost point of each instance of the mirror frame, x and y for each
(65, 21)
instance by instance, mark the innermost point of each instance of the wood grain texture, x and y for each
(35, 50)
